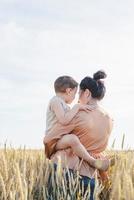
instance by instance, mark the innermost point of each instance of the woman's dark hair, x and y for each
(94, 85)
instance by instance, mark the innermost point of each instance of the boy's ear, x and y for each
(68, 90)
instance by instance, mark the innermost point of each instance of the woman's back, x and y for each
(93, 129)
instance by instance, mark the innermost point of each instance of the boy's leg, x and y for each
(73, 141)
(64, 142)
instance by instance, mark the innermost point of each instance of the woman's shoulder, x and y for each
(106, 113)
(83, 116)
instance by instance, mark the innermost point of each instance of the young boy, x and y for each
(59, 111)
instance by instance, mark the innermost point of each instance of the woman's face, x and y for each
(84, 96)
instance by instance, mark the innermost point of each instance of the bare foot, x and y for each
(113, 159)
(101, 164)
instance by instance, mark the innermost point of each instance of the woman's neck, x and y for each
(93, 102)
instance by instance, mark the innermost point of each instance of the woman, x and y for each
(93, 129)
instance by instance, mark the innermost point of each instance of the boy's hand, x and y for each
(90, 107)
(87, 108)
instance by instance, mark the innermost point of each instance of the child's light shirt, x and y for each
(51, 118)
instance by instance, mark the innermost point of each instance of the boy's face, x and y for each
(70, 94)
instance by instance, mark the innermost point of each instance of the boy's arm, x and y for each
(63, 117)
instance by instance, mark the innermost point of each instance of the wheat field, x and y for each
(24, 175)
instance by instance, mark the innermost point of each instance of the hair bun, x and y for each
(99, 75)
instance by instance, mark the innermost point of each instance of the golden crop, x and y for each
(24, 175)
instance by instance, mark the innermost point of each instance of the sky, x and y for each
(41, 40)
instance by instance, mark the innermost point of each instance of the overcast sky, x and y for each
(41, 40)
